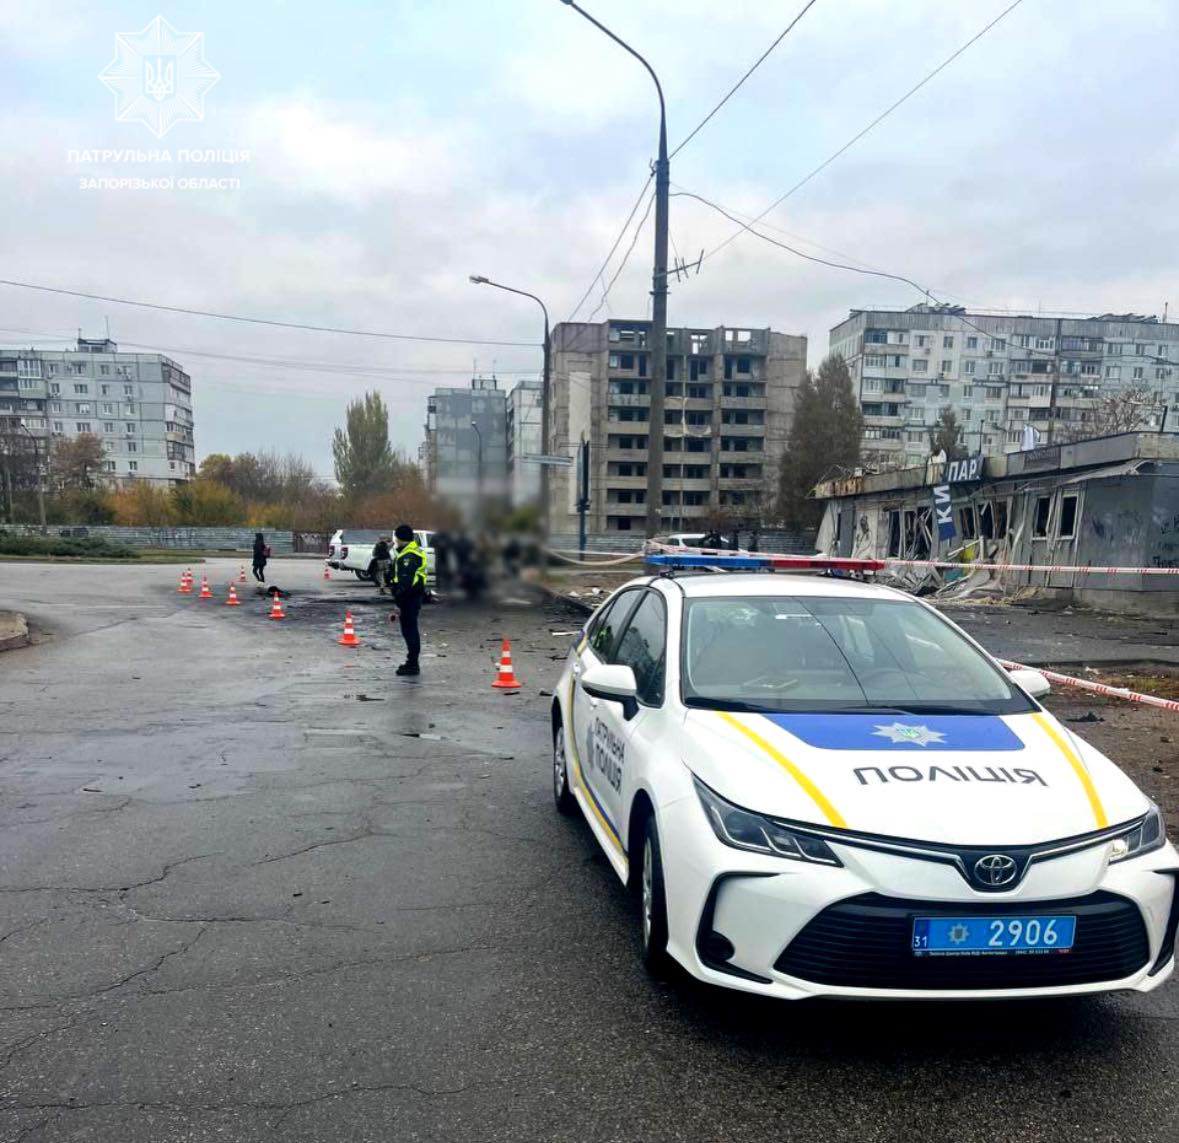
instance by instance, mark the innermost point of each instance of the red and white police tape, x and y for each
(1096, 688)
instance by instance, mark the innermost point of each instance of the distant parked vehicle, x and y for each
(353, 551)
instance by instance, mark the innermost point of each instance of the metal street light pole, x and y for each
(545, 391)
(478, 476)
(658, 296)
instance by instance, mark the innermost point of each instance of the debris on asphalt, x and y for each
(1089, 716)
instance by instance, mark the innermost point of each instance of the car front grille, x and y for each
(865, 942)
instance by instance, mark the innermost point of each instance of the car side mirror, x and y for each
(613, 682)
(1031, 682)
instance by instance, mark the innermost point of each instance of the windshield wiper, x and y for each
(701, 702)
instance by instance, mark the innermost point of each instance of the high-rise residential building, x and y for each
(466, 446)
(524, 430)
(138, 404)
(1002, 374)
(730, 399)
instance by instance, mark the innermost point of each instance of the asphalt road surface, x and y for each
(254, 887)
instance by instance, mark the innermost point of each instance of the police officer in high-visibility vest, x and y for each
(409, 592)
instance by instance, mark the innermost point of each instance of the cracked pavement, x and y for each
(239, 903)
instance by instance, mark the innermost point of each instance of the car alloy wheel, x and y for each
(653, 902)
(562, 795)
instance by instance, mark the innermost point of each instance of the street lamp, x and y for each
(545, 391)
(658, 295)
(478, 475)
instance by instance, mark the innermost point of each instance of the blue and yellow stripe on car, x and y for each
(598, 809)
(808, 786)
(1063, 745)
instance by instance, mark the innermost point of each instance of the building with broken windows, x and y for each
(1103, 503)
(729, 402)
(1001, 374)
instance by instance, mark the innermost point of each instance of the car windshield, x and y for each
(788, 653)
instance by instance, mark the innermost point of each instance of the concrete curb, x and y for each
(585, 607)
(14, 630)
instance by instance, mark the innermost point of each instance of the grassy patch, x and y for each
(61, 547)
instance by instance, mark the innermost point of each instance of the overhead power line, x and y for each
(864, 131)
(625, 258)
(617, 241)
(801, 254)
(263, 321)
(733, 90)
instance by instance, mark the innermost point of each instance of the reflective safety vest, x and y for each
(414, 549)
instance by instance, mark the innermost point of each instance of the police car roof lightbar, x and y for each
(752, 562)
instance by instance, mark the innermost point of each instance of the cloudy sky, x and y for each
(398, 147)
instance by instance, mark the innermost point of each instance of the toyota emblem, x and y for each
(995, 869)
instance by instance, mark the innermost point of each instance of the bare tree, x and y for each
(1124, 411)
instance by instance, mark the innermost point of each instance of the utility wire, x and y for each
(625, 258)
(733, 90)
(875, 123)
(263, 321)
(801, 254)
(617, 241)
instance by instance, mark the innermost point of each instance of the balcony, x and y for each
(741, 403)
(743, 430)
(626, 454)
(629, 400)
(631, 482)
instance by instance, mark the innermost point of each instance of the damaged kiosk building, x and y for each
(1102, 503)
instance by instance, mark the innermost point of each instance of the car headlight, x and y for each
(1148, 834)
(744, 830)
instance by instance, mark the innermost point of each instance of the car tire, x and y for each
(364, 577)
(562, 795)
(652, 902)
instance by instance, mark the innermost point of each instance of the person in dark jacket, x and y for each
(261, 554)
(409, 592)
(383, 561)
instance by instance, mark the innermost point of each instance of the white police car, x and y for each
(823, 787)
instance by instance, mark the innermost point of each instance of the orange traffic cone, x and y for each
(185, 587)
(348, 639)
(241, 575)
(205, 592)
(276, 611)
(505, 677)
(326, 573)
(233, 600)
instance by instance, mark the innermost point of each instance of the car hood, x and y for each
(955, 779)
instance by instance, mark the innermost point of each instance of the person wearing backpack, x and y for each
(261, 555)
(409, 593)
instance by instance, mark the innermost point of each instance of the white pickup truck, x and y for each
(353, 551)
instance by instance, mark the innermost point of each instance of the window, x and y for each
(82, 426)
(995, 368)
(81, 388)
(876, 337)
(968, 368)
(83, 409)
(743, 365)
(871, 385)
(129, 411)
(967, 392)
(1139, 349)
(1138, 371)
(131, 446)
(921, 341)
(106, 409)
(1067, 527)
(108, 427)
(920, 365)
(642, 647)
(1042, 515)
(55, 388)
(873, 361)
(604, 626)
(1089, 369)
(998, 343)
(1113, 348)
(77, 368)
(972, 343)
(947, 342)
(128, 390)
(966, 520)
(792, 653)
(132, 466)
(1113, 372)
(58, 427)
(1044, 342)
(943, 390)
(129, 427)
(947, 366)
(104, 369)
(28, 367)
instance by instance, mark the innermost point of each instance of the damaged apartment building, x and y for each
(1110, 502)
